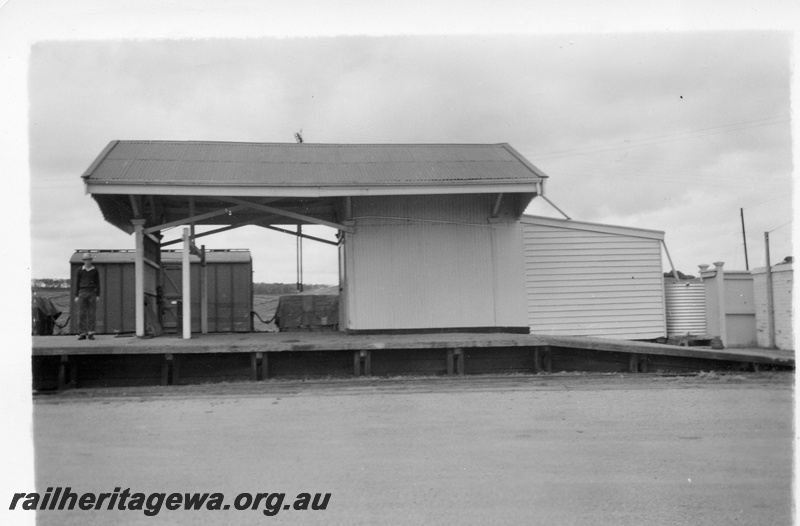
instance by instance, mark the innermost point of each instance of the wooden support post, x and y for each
(257, 366)
(254, 359)
(73, 374)
(62, 372)
(186, 289)
(265, 366)
(367, 361)
(548, 360)
(450, 355)
(165, 369)
(348, 207)
(633, 363)
(362, 363)
(138, 273)
(176, 368)
(135, 205)
(537, 360)
(458, 356)
(191, 214)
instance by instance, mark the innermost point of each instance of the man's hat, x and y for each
(86, 256)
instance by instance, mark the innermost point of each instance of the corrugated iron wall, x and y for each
(230, 296)
(581, 282)
(230, 293)
(115, 311)
(431, 262)
(686, 307)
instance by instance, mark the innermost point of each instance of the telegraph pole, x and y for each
(744, 238)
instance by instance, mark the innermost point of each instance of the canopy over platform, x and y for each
(386, 191)
(166, 183)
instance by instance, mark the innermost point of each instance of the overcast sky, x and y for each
(672, 132)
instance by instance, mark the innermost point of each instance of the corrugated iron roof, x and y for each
(303, 165)
(571, 224)
(167, 256)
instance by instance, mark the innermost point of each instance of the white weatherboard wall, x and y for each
(433, 262)
(585, 279)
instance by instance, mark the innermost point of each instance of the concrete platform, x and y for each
(61, 360)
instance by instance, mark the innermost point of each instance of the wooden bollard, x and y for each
(455, 361)
(166, 369)
(362, 363)
(256, 367)
(633, 363)
(62, 373)
(546, 358)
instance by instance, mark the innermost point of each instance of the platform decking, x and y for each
(335, 341)
(59, 361)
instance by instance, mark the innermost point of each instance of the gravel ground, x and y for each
(552, 449)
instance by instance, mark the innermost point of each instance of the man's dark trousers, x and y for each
(87, 309)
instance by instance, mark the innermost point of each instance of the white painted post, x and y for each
(203, 291)
(770, 297)
(138, 276)
(186, 286)
(720, 277)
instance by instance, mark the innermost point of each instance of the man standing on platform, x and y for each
(86, 289)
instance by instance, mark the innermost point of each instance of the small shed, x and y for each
(230, 290)
(588, 279)
(774, 326)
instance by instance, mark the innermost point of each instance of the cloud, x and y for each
(670, 131)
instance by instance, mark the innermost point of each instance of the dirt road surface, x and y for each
(555, 449)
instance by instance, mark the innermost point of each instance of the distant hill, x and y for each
(277, 289)
(273, 289)
(49, 283)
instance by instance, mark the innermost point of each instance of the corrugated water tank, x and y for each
(686, 307)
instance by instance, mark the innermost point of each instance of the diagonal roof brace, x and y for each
(286, 213)
(247, 223)
(195, 218)
(496, 207)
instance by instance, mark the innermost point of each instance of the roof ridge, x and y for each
(313, 144)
